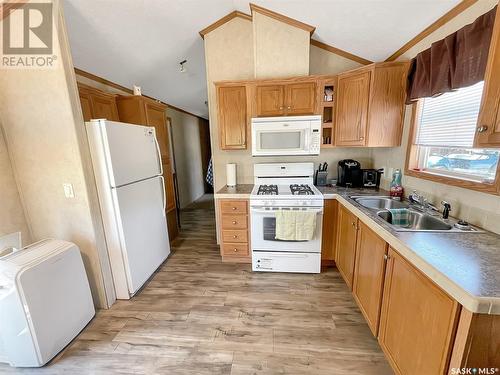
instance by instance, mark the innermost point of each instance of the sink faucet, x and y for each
(420, 202)
(417, 199)
(446, 209)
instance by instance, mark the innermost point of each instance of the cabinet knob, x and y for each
(361, 138)
(235, 222)
(387, 256)
(281, 107)
(289, 107)
(235, 250)
(234, 208)
(235, 236)
(482, 128)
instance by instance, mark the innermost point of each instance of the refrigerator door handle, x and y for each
(159, 155)
(164, 195)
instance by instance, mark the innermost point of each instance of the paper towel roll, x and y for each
(231, 174)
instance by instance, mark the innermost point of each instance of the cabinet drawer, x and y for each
(234, 222)
(233, 207)
(235, 249)
(234, 236)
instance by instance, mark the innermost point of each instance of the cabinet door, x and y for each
(86, 104)
(270, 100)
(156, 116)
(417, 322)
(352, 109)
(488, 126)
(328, 240)
(300, 98)
(346, 244)
(169, 186)
(369, 274)
(232, 117)
(104, 106)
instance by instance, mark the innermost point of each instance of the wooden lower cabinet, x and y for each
(369, 272)
(329, 233)
(234, 235)
(417, 322)
(346, 244)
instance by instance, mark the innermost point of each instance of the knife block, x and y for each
(322, 178)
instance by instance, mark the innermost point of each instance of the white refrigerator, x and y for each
(128, 169)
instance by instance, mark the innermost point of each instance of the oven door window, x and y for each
(269, 230)
(290, 140)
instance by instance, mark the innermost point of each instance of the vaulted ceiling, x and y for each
(142, 41)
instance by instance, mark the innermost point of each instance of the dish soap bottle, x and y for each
(396, 191)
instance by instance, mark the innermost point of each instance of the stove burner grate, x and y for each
(268, 190)
(302, 189)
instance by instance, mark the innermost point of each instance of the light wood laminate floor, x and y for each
(200, 316)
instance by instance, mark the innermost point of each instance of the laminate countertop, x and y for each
(240, 191)
(465, 265)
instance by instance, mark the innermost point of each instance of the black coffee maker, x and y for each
(349, 173)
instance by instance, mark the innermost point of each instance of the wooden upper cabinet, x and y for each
(232, 102)
(370, 105)
(352, 109)
(300, 98)
(156, 116)
(488, 126)
(140, 110)
(86, 104)
(270, 100)
(387, 105)
(346, 244)
(286, 99)
(417, 322)
(97, 104)
(369, 274)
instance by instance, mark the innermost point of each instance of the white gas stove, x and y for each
(284, 186)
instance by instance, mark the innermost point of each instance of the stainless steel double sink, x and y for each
(418, 221)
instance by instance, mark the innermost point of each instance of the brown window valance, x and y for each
(459, 60)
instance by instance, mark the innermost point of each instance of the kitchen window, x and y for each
(443, 137)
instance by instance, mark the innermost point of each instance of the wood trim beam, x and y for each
(223, 20)
(463, 5)
(106, 82)
(5, 8)
(340, 52)
(277, 16)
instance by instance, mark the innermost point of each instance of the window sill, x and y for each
(493, 188)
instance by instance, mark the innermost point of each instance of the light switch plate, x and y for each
(68, 191)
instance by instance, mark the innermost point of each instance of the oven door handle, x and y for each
(263, 211)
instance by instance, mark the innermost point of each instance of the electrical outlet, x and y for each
(68, 191)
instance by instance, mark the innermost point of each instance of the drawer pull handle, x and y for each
(482, 129)
(235, 250)
(235, 236)
(235, 222)
(234, 208)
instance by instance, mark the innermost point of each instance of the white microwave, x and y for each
(293, 135)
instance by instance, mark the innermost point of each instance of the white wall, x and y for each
(478, 208)
(12, 217)
(326, 62)
(187, 151)
(46, 141)
(280, 50)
